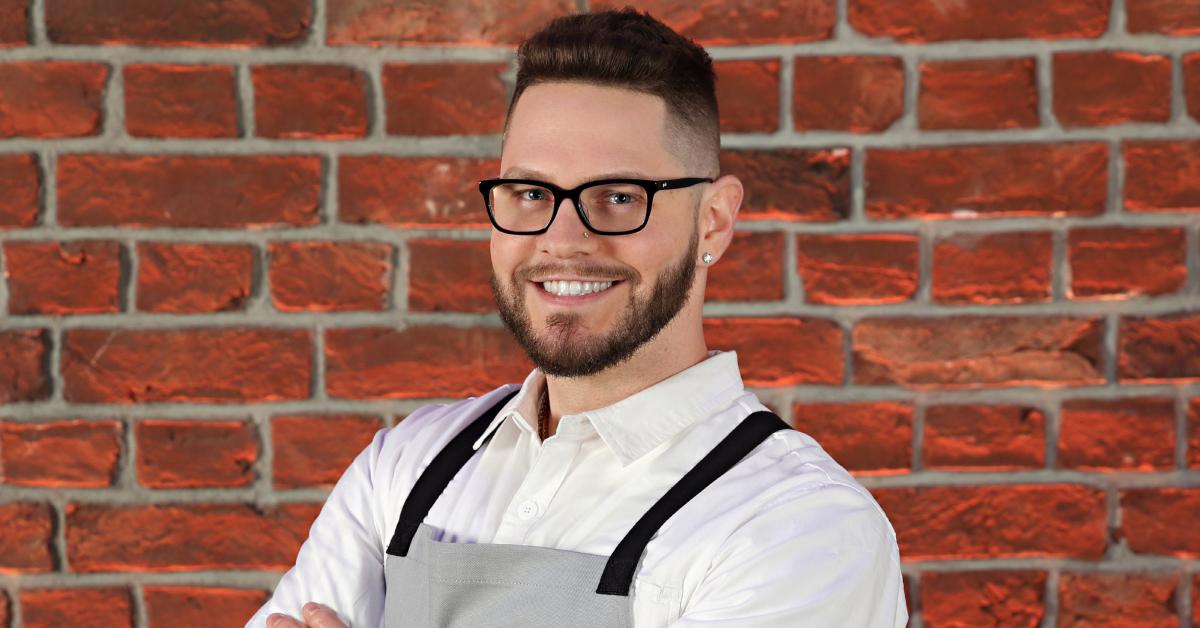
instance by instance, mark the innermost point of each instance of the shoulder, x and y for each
(427, 430)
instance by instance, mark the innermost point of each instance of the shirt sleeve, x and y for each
(341, 563)
(823, 556)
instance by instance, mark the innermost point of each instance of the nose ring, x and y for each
(585, 235)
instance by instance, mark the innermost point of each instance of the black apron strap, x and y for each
(437, 476)
(752, 431)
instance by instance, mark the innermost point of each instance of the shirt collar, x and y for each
(637, 424)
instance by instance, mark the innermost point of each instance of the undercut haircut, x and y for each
(634, 51)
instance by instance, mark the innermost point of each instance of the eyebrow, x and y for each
(518, 172)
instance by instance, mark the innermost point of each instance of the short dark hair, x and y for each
(634, 51)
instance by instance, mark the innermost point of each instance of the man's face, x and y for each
(568, 134)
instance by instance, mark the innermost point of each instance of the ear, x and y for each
(718, 213)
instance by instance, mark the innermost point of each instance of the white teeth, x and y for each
(575, 288)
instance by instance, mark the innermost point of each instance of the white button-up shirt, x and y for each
(785, 538)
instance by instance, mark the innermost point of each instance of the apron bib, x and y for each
(486, 585)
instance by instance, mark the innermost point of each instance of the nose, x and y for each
(565, 236)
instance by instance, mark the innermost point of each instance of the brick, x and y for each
(180, 101)
(330, 276)
(792, 184)
(450, 276)
(1005, 521)
(194, 454)
(1117, 599)
(748, 95)
(28, 539)
(1136, 434)
(75, 453)
(76, 606)
(445, 98)
(416, 362)
(781, 351)
(186, 277)
(984, 438)
(1165, 348)
(1102, 88)
(976, 351)
(425, 192)
(326, 102)
(75, 277)
(315, 450)
(930, 20)
(197, 365)
(21, 181)
(1161, 521)
(4, 612)
(23, 360)
(1109, 262)
(1169, 17)
(1196, 600)
(409, 23)
(978, 94)
(51, 98)
(200, 23)
(992, 268)
(741, 21)
(857, 269)
(1193, 420)
(219, 192)
(14, 19)
(860, 94)
(986, 181)
(1159, 176)
(1191, 83)
(863, 437)
(983, 598)
(200, 606)
(750, 270)
(185, 537)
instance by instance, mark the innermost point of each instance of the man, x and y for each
(630, 480)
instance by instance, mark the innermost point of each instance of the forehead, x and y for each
(577, 131)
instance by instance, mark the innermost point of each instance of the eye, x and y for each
(531, 194)
(620, 198)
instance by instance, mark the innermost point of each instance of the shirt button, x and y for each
(527, 510)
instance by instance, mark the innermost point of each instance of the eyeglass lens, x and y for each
(608, 207)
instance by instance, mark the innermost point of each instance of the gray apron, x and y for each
(485, 585)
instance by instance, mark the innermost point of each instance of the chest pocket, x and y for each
(659, 605)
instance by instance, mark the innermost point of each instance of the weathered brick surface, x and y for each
(857, 269)
(979, 437)
(1159, 175)
(77, 452)
(23, 374)
(26, 545)
(63, 277)
(315, 450)
(1169, 17)
(1193, 422)
(200, 23)
(968, 351)
(450, 276)
(863, 437)
(1161, 521)
(198, 365)
(77, 606)
(1162, 348)
(794, 184)
(1191, 83)
(962, 522)
(1117, 599)
(929, 20)
(978, 94)
(444, 98)
(20, 179)
(332, 103)
(862, 94)
(50, 98)
(185, 537)
(414, 192)
(983, 598)
(993, 268)
(1104, 88)
(1108, 262)
(188, 191)
(187, 277)
(781, 351)
(330, 276)
(193, 454)
(1065, 179)
(750, 270)
(200, 606)
(407, 23)
(14, 18)
(748, 95)
(180, 101)
(741, 21)
(1135, 434)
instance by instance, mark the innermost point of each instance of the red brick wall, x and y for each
(236, 242)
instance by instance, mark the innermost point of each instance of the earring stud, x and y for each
(708, 258)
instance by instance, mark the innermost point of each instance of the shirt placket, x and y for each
(546, 475)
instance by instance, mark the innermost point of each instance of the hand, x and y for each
(315, 616)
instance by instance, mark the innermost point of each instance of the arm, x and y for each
(823, 556)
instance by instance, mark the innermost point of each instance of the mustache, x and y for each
(624, 273)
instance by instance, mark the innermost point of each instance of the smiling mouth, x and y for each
(576, 288)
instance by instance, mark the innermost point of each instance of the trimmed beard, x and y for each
(561, 351)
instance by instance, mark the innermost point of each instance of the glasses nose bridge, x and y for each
(576, 205)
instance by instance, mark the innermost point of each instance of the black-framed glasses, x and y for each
(606, 207)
